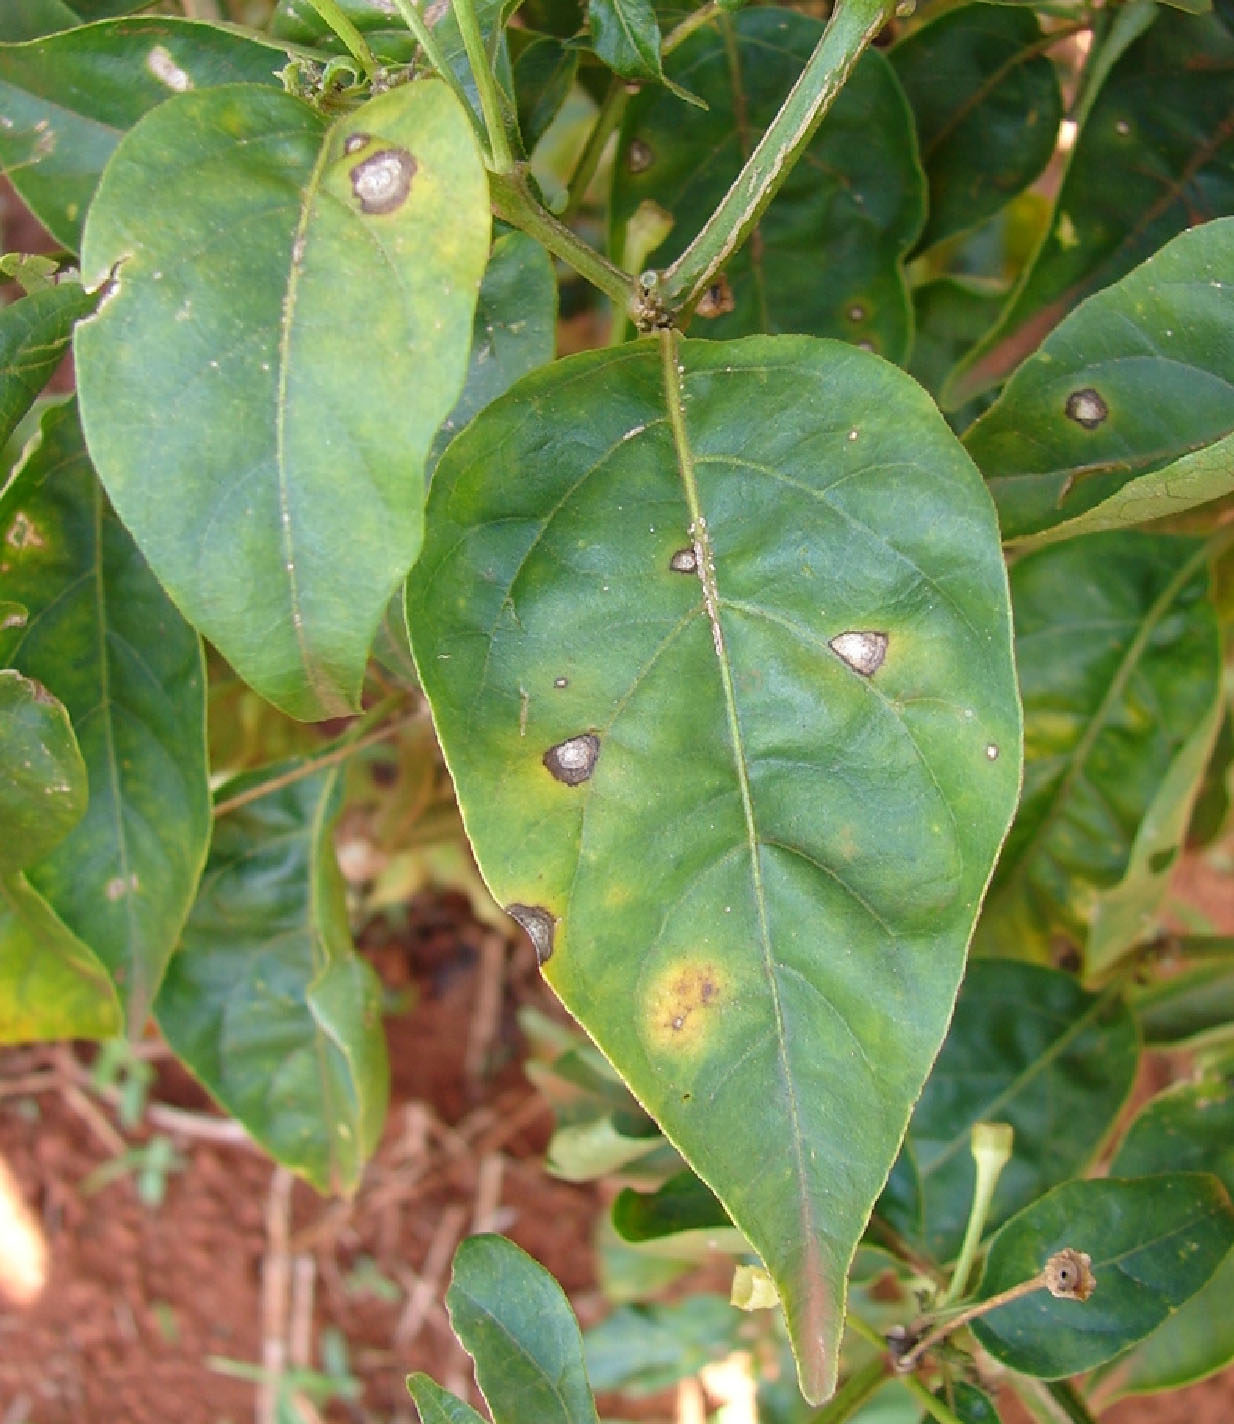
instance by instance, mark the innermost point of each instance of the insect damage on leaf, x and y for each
(863, 652)
(540, 926)
(573, 760)
(383, 180)
(1087, 408)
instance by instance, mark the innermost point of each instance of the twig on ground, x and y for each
(275, 1292)
(485, 1022)
(428, 1285)
(488, 1193)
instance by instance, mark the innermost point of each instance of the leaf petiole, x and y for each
(486, 85)
(357, 46)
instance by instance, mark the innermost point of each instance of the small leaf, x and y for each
(51, 985)
(1190, 1128)
(683, 1203)
(439, 1406)
(987, 106)
(71, 96)
(513, 332)
(640, 1349)
(42, 776)
(102, 633)
(827, 255)
(544, 71)
(1030, 1048)
(1119, 661)
(1189, 1009)
(1154, 1242)
(1126, 414)
(969, 1404)
(516, 1323)
(301, 295)
(34, 335)
(626, 36)
(1168, 95)
(266, 1000)
(749, 815)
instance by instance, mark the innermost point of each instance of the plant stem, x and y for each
(695, 20)
(357, 45)
(930, 1402)
(852, 25)
(309, 768)
(424, 37)
(853, 1393)
(486, 85)
(609, 116)
(513, 203)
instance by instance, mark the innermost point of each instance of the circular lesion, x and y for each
(683, 1002)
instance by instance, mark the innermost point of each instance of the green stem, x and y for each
(424, 37)
(695, 20)
(853, 1393)
(991, 1148)
(607, 119)
(486, 85)
(930, 1402)
(356, 44)
(513, 203)
(852, 25)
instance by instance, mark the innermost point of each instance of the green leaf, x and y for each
(1167, 97)
(1119, 662)
(516, 1323)
(827, 255)
(51, 985)
(103, 635)
(301, 295)
(949, 314)
(266, 1000)
(755, 866)
(1029, 1047)
(1154, 1242)
(626, 36)
(969, 1404)
(13, 618)
(544, 71)
(43, 787)
(71, 96)
(1189, 1009)
(1189, 1128)
(31, 19)
(683, 1203)
(439, 1406)
(1210, 816)
(640, 1349)
(513, 332)
(1127, 412)
(987, 106)
(34, 335)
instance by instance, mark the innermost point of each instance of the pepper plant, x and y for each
(750, 728)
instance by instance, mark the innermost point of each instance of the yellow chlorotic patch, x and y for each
(682, 1003)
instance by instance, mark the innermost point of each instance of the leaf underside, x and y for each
(754, 867)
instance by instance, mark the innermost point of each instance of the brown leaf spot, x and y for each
(1087, 408)
(540, 926)
(684, 561)
(1069, 1276)
(381, 183)
(717, 300)
(682, 1001)
(22, 533)
(573, 760)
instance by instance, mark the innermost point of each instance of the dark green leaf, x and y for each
(266, 999)
(969, 1404)
(1155, 155)
(89, 10)
(34, 335)
(301, 296)
(516, 1323)
(514, 330)
(1189, 1008)
(103, 634)
(1126, 413)
(949, 314)
(70, 97)
(626, 36)
(1154, 1242)
(771, 875)
(51, 985)
(987, 107)
(43, 785)
(1189, 1128)
(1210, 816)
(643, 1348)
(438, 1406)
(31, 19)
(1117, 649)
(826, 257)
(1027, 1047)
(544, 70)
(683, 1203)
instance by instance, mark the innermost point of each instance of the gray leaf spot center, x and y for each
(354, 142)
(639, 156)
(991, 752)
(573, 760)
(1087, 408)
(684, 561)
(383, 180)
(863, 652)
(539, 925)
